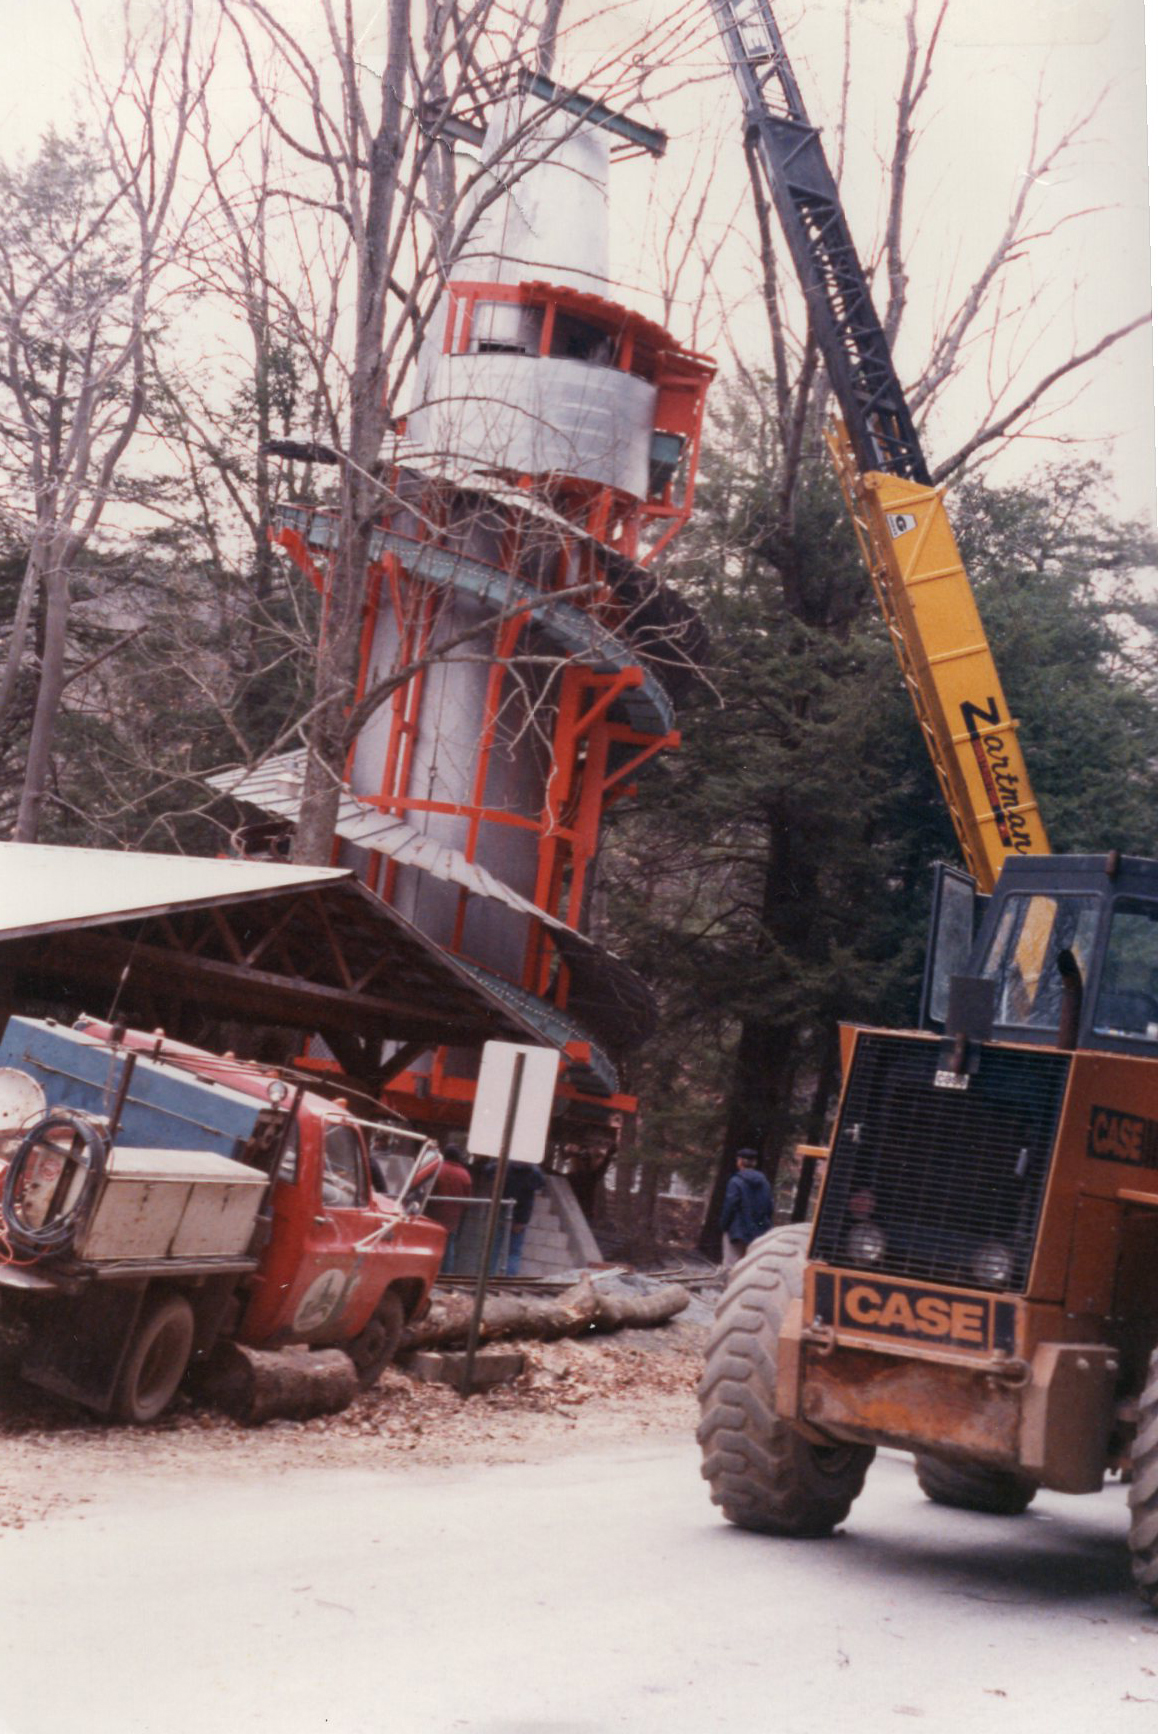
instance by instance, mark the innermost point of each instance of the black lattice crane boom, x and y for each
(899, 517)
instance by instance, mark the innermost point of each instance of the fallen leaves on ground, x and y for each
(578, 1393)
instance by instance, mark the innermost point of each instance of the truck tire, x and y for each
(974, 1486)
(156, 1361)
(763, 1474)
(1144, 1491)
(376, 1344)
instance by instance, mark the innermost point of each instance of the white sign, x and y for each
(493, 1096)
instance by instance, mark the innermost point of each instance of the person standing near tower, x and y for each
(747, 1211)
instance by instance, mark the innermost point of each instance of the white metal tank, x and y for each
(500, 404)
(549, 219)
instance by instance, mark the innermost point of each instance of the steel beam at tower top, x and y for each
(843, 319)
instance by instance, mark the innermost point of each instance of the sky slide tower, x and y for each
(548, 454)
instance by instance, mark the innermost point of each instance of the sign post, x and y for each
(512, 1112)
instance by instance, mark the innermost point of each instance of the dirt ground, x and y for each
(577, 1393)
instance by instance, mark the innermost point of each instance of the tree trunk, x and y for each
(334, 685)
(581, 1308)
(21, 620)
(338, 656)
(626, 1171)
(49, 692)
(760, 1094)
(257, 1384)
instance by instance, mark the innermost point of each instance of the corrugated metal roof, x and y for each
(302, 948)
(276, 787)
(610, 998)
(598, 1073)
(46, 887)
(259, 942)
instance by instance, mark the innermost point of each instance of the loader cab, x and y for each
(1062, 939)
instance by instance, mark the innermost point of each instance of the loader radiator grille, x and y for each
(934, 1183)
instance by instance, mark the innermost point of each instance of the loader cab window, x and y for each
(343, 1167)
(952, 929)
(1128, 997)
(1022, 960)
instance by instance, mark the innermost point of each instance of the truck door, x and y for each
(326, 1303)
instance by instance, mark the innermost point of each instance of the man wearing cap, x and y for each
(747, 1211)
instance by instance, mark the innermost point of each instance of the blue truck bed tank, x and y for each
(166, 1109)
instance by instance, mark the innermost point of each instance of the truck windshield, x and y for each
(1128, 1000)
(1022, 957)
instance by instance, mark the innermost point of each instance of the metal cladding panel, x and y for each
(165, 1109)
(551, 220)
(372, 745)
(431, 904)
(945, 1175)
(443, 767)
(537, 415)
(450, 722)
(510, 852)
(276, 788)
(496, 938)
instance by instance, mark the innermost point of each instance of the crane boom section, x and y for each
(928, 605)
(844, 320)
(899, 517)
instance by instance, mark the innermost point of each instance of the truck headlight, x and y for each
(992, 1264)
(866, 1243)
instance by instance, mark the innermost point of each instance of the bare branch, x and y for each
(996, 429)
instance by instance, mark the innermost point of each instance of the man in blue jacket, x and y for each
(747, 1210)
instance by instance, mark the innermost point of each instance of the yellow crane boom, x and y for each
(928, 605)
(899, 516)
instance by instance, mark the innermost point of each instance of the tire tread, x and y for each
(974, 1486)
(762, 1473)
(1143, 1496)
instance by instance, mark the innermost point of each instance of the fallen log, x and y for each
(619, 1310)
(580, 1308)
(256, 1385)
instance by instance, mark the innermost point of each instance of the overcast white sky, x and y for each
(997, 56)
(1086, 278)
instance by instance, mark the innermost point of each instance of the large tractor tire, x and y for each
(156, 1362)
(974, 1486)
(1144, 1491)
(764, 1475)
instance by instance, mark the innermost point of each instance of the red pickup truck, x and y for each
(158, 1198)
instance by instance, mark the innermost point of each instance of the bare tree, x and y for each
(993, 303)
(369, 158)
(85, 243)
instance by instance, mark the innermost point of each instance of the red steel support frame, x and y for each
(580, 785)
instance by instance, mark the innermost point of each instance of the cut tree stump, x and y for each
(583, 1307)
(257, 1385)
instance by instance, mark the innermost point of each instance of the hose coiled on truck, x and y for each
(57, 1234)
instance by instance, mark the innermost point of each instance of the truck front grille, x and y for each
(940, 1184)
